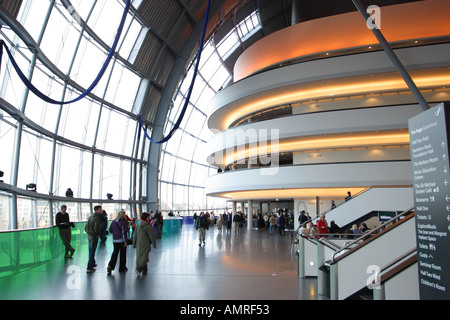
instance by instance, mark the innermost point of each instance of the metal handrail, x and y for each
(344, 201)
(371, 232)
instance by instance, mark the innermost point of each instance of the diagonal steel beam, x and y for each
(387, 48)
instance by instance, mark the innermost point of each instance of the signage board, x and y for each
(431, 184)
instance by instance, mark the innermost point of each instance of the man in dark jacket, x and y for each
(64, 224)
(201, 224)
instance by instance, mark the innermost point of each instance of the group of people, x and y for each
(271, 221)
(144, 233)
(204, 221)
(322, 228)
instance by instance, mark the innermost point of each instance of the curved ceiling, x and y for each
(173, 35)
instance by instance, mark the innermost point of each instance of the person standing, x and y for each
(281, 224)
(220, 223)
(272, 223)
(229, 221)
(302, 218)
(266, 221)
(201, 225)
(119, 230)
(144, 237)
(322, 224)
(62, 220)
(237, 221)
(92, 229)
(103, 226)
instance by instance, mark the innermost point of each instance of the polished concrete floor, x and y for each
(250, 265)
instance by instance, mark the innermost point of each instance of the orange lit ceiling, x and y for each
(332, 88)
(281, 194)
(403, 22)
(362, 139)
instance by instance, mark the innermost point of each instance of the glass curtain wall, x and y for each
(89, 146)
(183, 164)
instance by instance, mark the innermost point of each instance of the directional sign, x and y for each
(431, 176)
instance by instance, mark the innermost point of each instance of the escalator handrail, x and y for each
(370, 233)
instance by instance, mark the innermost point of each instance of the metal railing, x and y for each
(369, 233)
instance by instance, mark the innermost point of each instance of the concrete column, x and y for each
(321, 276)
(250, 215)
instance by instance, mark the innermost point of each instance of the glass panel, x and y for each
(85, 163)
(88, 62)
(131, 40)
(182, 171)
(228, 45)
(33, 22)
(105, 19)
(68, 165)
(5, 201)
(165, 165)
(60, 52)
(124, 186)
(123, 87)
(42, 213)
(13, 88)
(211, 66)
(25, 212)
(30, 166)
(79, 121)
(113, 131)
(195, 123)
(111, 178)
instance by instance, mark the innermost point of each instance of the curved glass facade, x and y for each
(183, 164)
(89, 146)
(92, 146)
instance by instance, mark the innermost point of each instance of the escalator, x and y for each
(353, 266)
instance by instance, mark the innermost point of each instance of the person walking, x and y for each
(144, 238)
(62, 220)
(103, 226)
(119, 230)
(237, 221)
(220, 223)
(92, 229)
(281, 224)
(272, 223)
(201, 225)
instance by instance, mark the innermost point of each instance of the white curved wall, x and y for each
(229, 98)
(396, 173)
(342, 121)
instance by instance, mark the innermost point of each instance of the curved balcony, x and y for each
(331, 78)
(344, 32)
(301, 181)
(307, 132)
